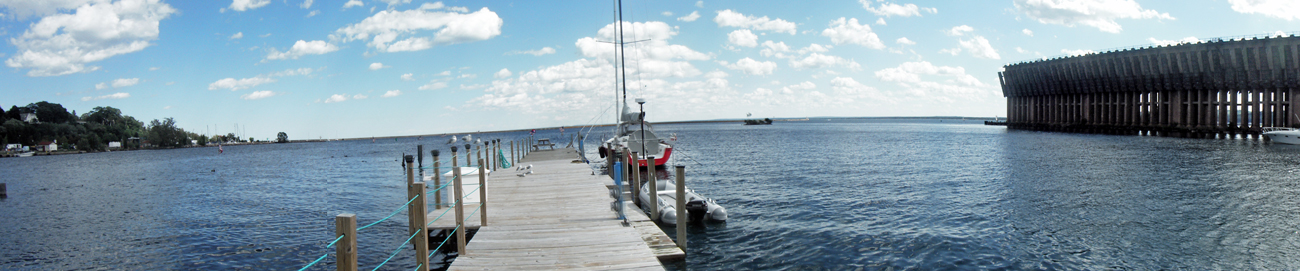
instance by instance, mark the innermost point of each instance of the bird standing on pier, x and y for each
(452, 140)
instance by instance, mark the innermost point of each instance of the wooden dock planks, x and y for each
(558, 217)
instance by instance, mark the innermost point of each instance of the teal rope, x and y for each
(399, 249)
(408, 203)
(336, 240)
(444, 241)
(322, 257)
(439, 188)
(443, 213)
(417, 267)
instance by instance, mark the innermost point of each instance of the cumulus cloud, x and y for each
(382, 30)
(743, 37)
(377, 66)
(236, 36)
(538, 52)
(61, 44)
(1282, 9)
(238, 84)
(306, 4)
(435, 84)
(392, 93)
(979, 47)
(408, 77)
(880, 21)
(353, 3)
(125, 82)
(905, 41)
(690, 17)
(336, 98)
(791, 89)
(258, 95)
(119, 95)
(503, 73)
(1173, 42)
(736, 19)
(923, 79)
(655, 57)
(302, 48)
(817, 60)
(959, 30)
(843, 31)
(359, 97)
(752, 67)
(849, 90)
(243, 5)
(888, 9)
(1100, 14)
(1027, 32)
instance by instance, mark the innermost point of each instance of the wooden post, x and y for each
(468, 149)
(460, 211)
(410, 194)
(636, 186)
(482, 196)
(345, 251)
(437, 180)
(512, 153)
(681, 207)
(419, 151)
(478, 155)
(420, 207)
(654, 188)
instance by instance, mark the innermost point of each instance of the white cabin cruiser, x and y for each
(698, 208)
(1282, 135)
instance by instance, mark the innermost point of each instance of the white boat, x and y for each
(698, 208)
(26, 154)
(1282, 135)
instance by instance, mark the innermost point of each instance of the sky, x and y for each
(363, 68)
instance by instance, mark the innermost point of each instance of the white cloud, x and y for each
(959, 30)
(383, 29)
(773, 48)
(435, 84)
(667, 13)
(690, 17)
(699, 4)
(306, 4)
(353, 3)
(444, 73)
(238, 84)
(753, 67)
(312, 13)
(1282, 9)
(302, 48)
(101, 86)
(1173, 42)
(905, 41)
(1027, 32)
(376, 66)
(63, 44)
(408, 77)
(1095, 13)
(258, 95)
(503, 73)
(264, 35)
(360, 97)
(816, 60)
(336, 98)
(122, 82)
(922, 79)
(1076, 52)
(392, 3)
(467, 76)
(119, 95)
(843, 31)
(236, 36)
(243, 5)
(654, 58)
(791, 89)
(847, 90)
(391, 93)
(743, 37)
(880, 21)
(979, 47)
(539, 52)
(890, 9)
(736, 19)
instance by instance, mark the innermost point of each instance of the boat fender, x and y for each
(602, 151)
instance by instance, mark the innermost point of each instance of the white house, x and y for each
(115, 144)
(48, 146)
(29, 117)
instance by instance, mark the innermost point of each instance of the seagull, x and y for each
(452, 140)
(466, 138)
(478, 141)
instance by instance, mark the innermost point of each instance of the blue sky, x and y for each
(360, 68)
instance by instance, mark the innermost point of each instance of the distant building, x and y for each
(48, 146)
(29, 118)
(115, 144)
(12, 147)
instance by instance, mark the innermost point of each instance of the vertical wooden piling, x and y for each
(460, 210)
(482, 195)
(681, 207)
(512, 153)
(636, 185)
(410, 194)
(478, 155)
(420, 208)
(437, 180)
(469, 148)
(345, 251)
(419, 152)
(654, 187)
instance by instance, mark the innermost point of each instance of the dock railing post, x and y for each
(654, 188)
(478, 155)
(636, 185)
(460, 211)
(410, 193)
(681, 207)
(345, 252)
(482, 196)
(469, 148)
(512, 153)
(420, 208)
(419, 152)
(437, 180)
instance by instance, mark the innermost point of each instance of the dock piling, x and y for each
(410, 194)
(681, 207)
(3, 191)
(437, 180)
(482, 195)
(636, 186)
(468, 149)
(460, 210)
(345, 251)
(419, 152)
(420, 207)
(654, 188)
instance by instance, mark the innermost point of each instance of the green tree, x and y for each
(165, 134)
(51, 112)
(282, 138)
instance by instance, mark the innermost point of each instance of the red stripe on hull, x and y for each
(659, 161)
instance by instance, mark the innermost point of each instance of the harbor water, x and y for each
(837, 194)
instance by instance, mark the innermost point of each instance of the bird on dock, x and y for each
(467, 138)
(452, 140)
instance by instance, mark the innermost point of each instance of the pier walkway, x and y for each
(558, 217)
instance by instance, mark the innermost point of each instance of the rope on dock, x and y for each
(444, 241)
(322, 257)
(408, 203)
(399, 249)
(417, 267)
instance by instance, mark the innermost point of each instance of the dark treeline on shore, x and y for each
(43, 122)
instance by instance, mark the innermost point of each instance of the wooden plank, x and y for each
(558, 217)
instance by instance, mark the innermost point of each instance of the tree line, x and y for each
(93, 130)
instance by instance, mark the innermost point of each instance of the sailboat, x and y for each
(632, 131)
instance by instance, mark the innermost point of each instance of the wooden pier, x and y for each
(557, 217)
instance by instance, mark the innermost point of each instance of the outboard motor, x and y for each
(696, 209)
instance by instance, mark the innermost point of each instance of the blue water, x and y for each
(842, 195)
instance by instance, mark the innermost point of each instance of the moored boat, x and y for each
(698, 208)
(1282, 135)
